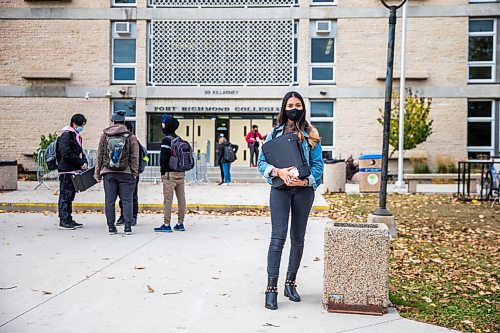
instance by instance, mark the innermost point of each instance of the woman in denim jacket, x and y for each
(297, 196)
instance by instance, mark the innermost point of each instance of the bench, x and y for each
(415, 178)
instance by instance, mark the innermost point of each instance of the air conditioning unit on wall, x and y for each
(123, 28)
(323, 27)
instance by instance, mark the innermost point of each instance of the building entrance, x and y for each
(203, 132)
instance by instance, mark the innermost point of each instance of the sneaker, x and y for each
(128, 229)
(225, 184)
(134, 221)
(66, 226)
(163, 228)
(112, 230)
(179, 227)
(120, 221)
(76, 224)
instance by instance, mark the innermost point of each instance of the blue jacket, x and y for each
(315, 162)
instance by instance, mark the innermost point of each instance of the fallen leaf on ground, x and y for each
(150, 289)
(139, 267)
(47, 292)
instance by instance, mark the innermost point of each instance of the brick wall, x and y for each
(78, 46)
(24, 120)
(52, 4)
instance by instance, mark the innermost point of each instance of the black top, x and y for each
(68, 153)
(166, 153)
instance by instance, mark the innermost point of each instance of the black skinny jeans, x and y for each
(299, 200)
(66, 196)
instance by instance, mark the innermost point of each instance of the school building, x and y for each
(221, 66)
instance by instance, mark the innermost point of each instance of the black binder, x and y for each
(84, 180)
(286, 151)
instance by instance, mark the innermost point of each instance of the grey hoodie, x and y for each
(133, 167)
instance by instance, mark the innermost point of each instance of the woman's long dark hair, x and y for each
(282, 118)
(302, 124)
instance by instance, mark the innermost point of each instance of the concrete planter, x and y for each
(356, 271)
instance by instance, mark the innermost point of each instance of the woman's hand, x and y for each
(298, 182)
(285, 174)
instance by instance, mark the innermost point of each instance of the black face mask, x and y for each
(294, 114)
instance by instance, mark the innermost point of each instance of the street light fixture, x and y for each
(382, 209)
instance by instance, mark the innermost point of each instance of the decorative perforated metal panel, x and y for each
(220, 3)
(222, 52)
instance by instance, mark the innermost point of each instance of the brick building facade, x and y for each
(58, 58)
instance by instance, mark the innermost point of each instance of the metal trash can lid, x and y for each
(332, 161)
(370, 157)
(8, 163)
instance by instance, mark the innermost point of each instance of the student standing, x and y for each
(252, 139)
(70, 161)
(227, 155)
(118, 164)
(173, 180)
(296, 197)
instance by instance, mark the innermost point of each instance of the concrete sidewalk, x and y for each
(210, 278)
(237, 196)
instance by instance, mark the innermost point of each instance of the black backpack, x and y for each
(182, 155)
(229, 154)
(143, 158)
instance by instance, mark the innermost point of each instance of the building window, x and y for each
(482, 50)
(127, 105)
(221, 3)
(323, 118)
(323, 2)
(295, 52)
(481, 128)
(323, 51)
(232, 52)
(123, 52)
(125, 3)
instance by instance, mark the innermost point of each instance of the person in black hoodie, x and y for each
(70, 161)
(173, 181)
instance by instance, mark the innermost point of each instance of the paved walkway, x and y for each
(198, 197)
(237, 196)
(210, 278)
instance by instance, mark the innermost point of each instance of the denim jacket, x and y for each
(314, 160)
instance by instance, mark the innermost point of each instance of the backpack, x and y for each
(182, 155)
(228, 153)
(51, 155)
(143, 158)
(118, 152)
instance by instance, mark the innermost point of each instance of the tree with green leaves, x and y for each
(45, 141)
(417, 124)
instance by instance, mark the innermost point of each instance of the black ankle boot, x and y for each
(290, 288)
(272, 293)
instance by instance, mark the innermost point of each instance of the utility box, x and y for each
(370, 173)
(334, 176)
(356, 271)
(8, 175)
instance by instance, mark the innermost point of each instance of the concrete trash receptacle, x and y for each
(370, 170)
(334, 176)
(356, 268)
(8, 175)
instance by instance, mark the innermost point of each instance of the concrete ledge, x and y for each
(99, 207)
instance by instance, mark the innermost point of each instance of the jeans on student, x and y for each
(117, 184)
(226, 167)
(66, 196)
(299, 200)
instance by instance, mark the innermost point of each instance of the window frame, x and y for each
(314, 3)
(127, 118)
(114, 65)
(492, 120)
(331, 119)
(492, 64)
(114, 4)
(329, 65)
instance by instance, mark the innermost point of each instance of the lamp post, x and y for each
(382, 209)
